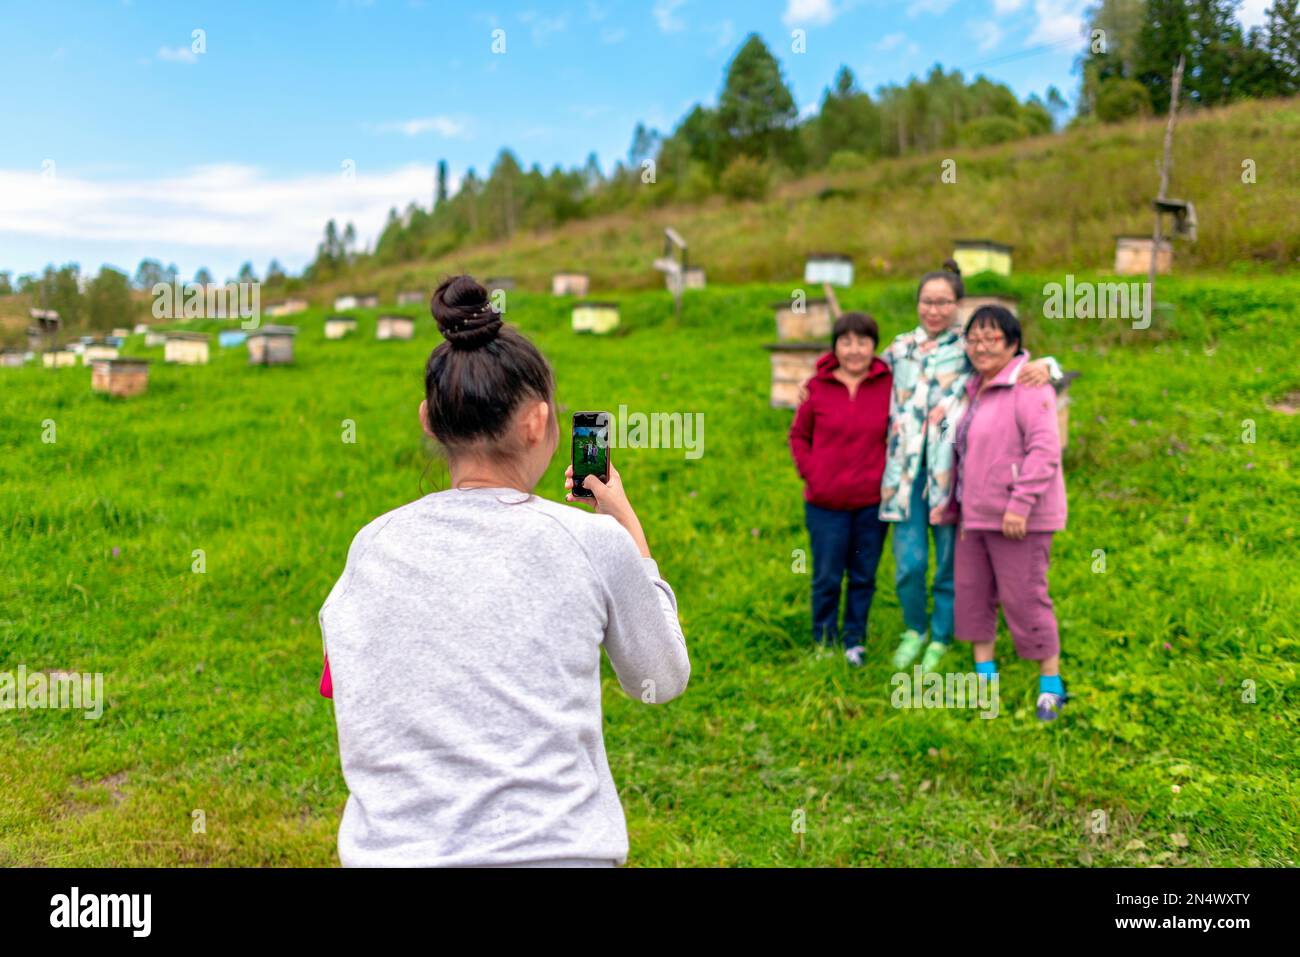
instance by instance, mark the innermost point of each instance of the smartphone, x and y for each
(590, 449)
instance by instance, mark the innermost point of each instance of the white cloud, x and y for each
(891, 41)
(808, 12)
(1058, 21)
(1003, 7)
(986, 33)
(444, 126)
(664, 11)
(726, 33)
(177, 55)
(229, 209)
(542, 27)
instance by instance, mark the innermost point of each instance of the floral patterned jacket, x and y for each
(927, 401)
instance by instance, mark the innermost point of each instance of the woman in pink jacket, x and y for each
(1010, 496)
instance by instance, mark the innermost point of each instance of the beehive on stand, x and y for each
(1133, 255)
(569, 284)
(982, 255)
(336, 327)
(411, 297)
(597, 317)
(271, 345)
(394, 327)
(367, 300)
(493, 283)
(186, 348)
(348, 301)
(120, 377)
(693, 277)
(833, 268)
(805, 320)
(803, 330)
(12, 358)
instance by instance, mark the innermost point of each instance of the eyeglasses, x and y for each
(937, 303)
(986, 342)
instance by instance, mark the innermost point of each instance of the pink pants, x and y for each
(990, 570)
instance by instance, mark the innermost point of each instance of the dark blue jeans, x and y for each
(843, 541)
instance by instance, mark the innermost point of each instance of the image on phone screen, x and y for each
(590, 450)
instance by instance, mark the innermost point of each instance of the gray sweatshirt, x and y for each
(464, 642)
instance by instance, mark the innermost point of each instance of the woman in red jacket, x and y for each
(838, 441)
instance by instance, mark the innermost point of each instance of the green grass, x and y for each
(211, 678)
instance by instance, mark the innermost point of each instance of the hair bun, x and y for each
(464, 314)
(951, 266)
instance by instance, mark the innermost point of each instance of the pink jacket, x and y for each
(1010, 460)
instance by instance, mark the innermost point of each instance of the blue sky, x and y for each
(126, 134)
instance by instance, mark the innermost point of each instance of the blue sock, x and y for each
(1050, 684)
(988, 669)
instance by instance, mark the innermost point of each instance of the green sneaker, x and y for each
(909, 646)
(934, 653)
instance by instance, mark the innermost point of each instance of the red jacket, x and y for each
(839, 442)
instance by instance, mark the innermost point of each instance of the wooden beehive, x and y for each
(1133, 256)
(271, 345)
(336, 327)
(411, 297)
(59, 358)
(394, 327)
(367, 300)
(813, 322)
(982, 255)
(966, 307)
(693, 278)
(833, 268)
(12, 358)
(493, 283)
(97, 350)
(345, 302)
(569, 284)
(186, 348)
(597, 317)
(120, 377)
(792, 364)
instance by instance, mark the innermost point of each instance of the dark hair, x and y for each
(951, 274)
(858, 323)
(476, 379)
(997, 317)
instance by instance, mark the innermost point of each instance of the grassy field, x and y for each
(211, 678)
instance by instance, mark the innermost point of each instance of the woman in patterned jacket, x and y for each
(930, 370)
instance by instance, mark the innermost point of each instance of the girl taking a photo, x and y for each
(463, 637)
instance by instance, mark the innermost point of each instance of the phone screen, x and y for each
(590, 449)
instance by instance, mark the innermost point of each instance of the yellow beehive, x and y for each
(982, 255)
(336, 327)
(186, 348)
(97, 350)
(597, 317)
(59, 358)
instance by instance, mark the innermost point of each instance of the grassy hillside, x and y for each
(211, 678)
(1060, 200)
